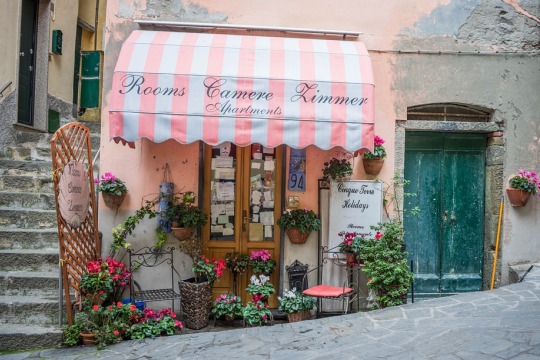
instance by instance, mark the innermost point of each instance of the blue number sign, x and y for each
(297, 170)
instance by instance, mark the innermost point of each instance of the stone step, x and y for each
(27, 219)
(27, 183)
(42, 201)
(20, 167)
(30, 139)
(45, 261)
(25, 283)
(29, 310)
(29, 337)
(29, 239)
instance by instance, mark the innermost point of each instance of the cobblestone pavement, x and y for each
(499, 324)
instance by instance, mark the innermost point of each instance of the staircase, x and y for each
(29, 271)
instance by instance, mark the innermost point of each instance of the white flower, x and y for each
(254, 280)
(264, 279)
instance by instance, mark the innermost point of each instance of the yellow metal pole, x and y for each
(497, 244)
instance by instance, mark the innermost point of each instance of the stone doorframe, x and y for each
(492, 125)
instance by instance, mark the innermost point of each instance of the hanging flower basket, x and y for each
(518, 197)
(182, 233)
(373, 166)
(296, 236)
(196, 303)
(112, 200)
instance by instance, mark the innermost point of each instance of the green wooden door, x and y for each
(27, 51)
(445, 241)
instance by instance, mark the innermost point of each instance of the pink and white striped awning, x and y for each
(243, 89)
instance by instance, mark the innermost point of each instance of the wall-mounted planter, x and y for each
(373, 166)
(518, 197)
(112, 200)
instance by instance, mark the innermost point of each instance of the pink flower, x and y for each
(96, 307)
(378, 235)
(116, 332)
(378, 140)
(108, 176)
(178, 324)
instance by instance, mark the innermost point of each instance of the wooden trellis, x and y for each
(79, 242)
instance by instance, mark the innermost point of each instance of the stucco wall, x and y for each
(507, 84)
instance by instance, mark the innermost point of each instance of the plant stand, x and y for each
(196, 303)
(296, 236)
(113, 201)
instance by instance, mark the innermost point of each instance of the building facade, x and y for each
(456, 102)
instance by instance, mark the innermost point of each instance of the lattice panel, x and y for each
(77, 245)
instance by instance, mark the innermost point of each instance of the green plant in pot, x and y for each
(257, 313)
(299, 224)
(227, 306)
(386, 265)
(521, 186)
(295, 305)
(374, 161)
(337, 169)
(184, 215)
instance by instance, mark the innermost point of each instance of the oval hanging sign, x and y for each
(73, 194)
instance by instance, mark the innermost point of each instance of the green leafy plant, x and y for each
(186, 215)
(305, 220)
(379, 152)
(104, 280)
(260, 287)
(261, 261)
(256, 313)
(155, 323)
(237, 262)
(294, 301)
(527, 181)
(337, 169)
(386, 265)
(111, 184)
(352, 242)
(227, 305)
(211, 271)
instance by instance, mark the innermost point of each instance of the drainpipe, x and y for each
(96, 18)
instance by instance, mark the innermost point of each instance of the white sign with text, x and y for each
(355, 206)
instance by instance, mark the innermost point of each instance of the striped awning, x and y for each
(243, 89)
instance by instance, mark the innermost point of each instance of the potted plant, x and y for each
(299, 224)
(337, 169)
(196, 292)
(386, 265)
(257, 314)
(237, 264)
(185, 217)
(295, 305)
(374, 161)
(104, 280)
(521, 186)
(112, 189)
(155, 323)
(227, 306)
(351, 245)
(261, 261)
(260, 288)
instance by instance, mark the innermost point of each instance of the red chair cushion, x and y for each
(326, 291)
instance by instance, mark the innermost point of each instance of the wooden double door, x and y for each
(445, 241)
(242, 194)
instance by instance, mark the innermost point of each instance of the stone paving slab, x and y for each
(499, 324)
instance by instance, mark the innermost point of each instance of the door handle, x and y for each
(244, 220)
(445, 215)
(21, 53)
(453, 219)
(30, 68)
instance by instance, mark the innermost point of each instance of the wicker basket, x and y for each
(196, 303)
(298, 316)
(112, 200)
(296, 236)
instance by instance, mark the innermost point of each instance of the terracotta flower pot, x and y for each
(298, 316)
(88, 339)
(373, 166)
(112, 200)
(296, 236)
(181, 233)
(518, 197)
